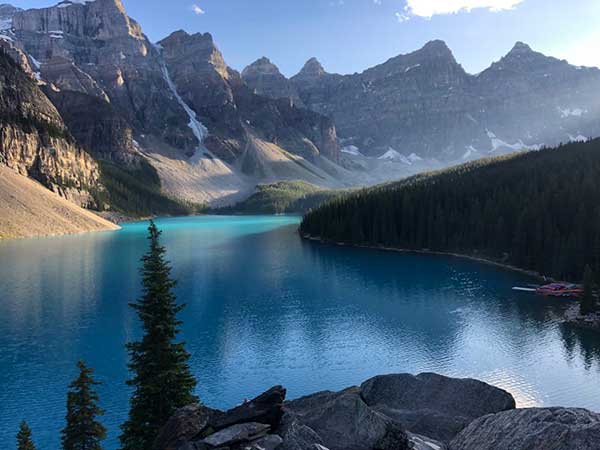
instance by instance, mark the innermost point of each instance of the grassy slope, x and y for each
(282, 197)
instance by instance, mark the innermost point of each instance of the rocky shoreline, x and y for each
(389, 412)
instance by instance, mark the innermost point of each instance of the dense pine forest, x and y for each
(537, 210)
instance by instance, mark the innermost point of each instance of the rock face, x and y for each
(231, 110)
(95, 48)
(434, 405)
(35, 142)
(424, 102)
(265, 78)
(532, 429)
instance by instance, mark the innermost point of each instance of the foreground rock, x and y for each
(393, 412)
(343, 421)
(434, 405)
(532, 429)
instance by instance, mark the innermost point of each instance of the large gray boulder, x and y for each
(296, 435)
(433, 405)
(532, 429)
(236, 434)
(344, 421)
(186, 425)
(267, 408)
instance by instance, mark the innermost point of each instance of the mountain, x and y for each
(35, 142)
(426, 103)
(172, 122)
(537, 210)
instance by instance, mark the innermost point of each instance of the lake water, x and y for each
(266, 308)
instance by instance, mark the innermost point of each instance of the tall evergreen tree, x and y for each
(24, 441)
(83, 431)
(588, 300)
(161, 381)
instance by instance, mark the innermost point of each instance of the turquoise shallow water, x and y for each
(265, 308)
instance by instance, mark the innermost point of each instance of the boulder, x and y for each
(267, 408)
(434, 405)
(419, 442)
(184, 426)
(236, 434)
(297, 436)
(532, 429)
(269, 442)
(344, 421)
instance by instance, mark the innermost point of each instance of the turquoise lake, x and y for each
(265, 307)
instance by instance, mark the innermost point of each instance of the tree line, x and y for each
(538, 211)
(161, 378)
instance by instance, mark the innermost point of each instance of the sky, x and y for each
(350, 36)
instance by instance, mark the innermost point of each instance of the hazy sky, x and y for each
(350, 35)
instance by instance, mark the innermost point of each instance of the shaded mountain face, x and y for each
(265, 79)
(233, 112)
(35, 142)
(425, 103)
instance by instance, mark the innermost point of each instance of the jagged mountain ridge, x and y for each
(147, 101)
(424, 102)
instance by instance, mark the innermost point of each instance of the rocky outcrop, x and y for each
(35, 142)
(532, 429)
(265, 79)
(434, 405)
(346, 420)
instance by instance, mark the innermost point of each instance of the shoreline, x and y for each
(478, 259)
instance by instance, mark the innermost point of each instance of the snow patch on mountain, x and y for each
(578, 138)
(394, 156)
(517, 146)
(199, 130)
(567, 112)
(351, 150)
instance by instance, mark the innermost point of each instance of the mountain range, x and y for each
(88, 90)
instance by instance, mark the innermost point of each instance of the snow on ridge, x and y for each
(518, 146)
(67, 3)
(578, 138)
(351, 150)
(408, 69)
(413, 157)
(568, 112)
(393, 155)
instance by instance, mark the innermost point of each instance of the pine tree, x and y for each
(24, 441)
(161, 381)
(83, 431)
(588, 301)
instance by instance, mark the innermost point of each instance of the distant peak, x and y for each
(262, 65)
(436, 48)
(521, 47)
(312, 68)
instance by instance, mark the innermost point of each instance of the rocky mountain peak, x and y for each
(312, 69)
(261, 66)
(436, 49)
(198, 48)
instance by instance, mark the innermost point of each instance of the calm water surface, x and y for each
(265, 308)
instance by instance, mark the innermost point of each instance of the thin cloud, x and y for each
(430, 8)
(197, 10)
